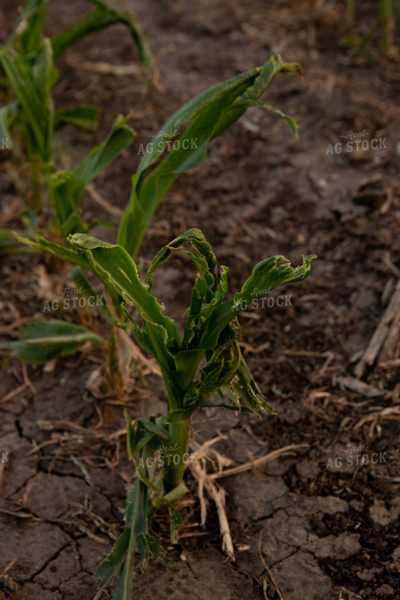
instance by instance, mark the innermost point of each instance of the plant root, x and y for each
(205, 482)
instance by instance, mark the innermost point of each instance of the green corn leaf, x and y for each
(87, 290)
(81, 116)
(62, 252)
(8, 243)
(124, 550)
(175, 521)
(266, 275)
(242, 389)
(39, 343)
(120, 137)
(258, 104)
(221, 368)
(202, 104)
(152, 547)
(31, 85)
(133, 224)
(146, 434)
(205, 290)
(113, 265)
(28, 31)
(203, 256)
(202, 307)
(138, 436)
(154, 340)
(66, 188)
(209, 114)
(44, 73)
(178, 415)
(136, 519)
(106, 569)
(250, 97)
(18, 74)
(292, 123)
(104, 16)
(186, 363)
(144, 440)
(65, 194)
(140, 335)
(199, 294)
(155, 429)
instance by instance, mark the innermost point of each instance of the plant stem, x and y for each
(350, 11)
(174, 458)
(386, 23)
(36, 185)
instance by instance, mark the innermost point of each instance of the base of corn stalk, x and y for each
(206, 481)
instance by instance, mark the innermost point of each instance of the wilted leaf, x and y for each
(41, 342)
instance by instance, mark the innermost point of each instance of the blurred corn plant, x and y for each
(41, 342)
(29, 120)
(211, 335)
(384, 22)
(201, 119)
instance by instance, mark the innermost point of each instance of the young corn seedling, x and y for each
(198, 122)
(38, 121)
(384, 21)
(210, 334)
(30, 75)
(350, 14)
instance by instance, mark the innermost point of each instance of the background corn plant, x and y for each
(29, 75)
(385, 22)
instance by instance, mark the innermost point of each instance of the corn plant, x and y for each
(210, 334)
(387, 23)
(384, 21)
(32, 81)
(30, 75)
(350, 14)
(66, 188)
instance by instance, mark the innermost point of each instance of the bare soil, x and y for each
(322, 523)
